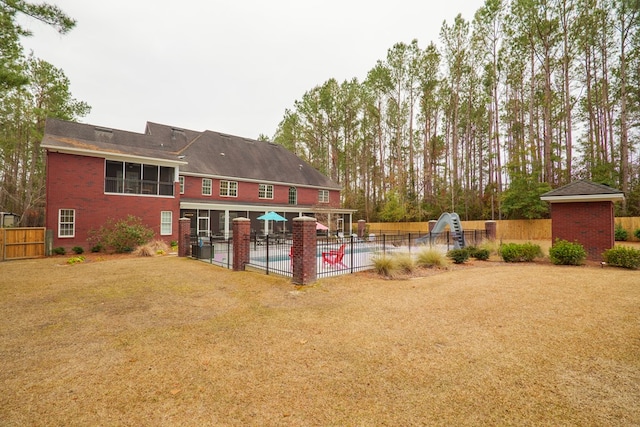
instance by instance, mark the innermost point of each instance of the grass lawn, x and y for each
(172, 341)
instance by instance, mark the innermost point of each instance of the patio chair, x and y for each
(334, 258)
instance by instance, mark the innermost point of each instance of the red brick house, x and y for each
(583, 212)
(96, 173)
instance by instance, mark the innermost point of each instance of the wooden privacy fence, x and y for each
(21, 243)
(516, 229)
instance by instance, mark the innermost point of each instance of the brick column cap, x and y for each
(241, 219)
(305, 218)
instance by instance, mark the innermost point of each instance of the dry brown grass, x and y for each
(170, 341)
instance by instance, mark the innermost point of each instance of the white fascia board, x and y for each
(255, 208)
(115, 156)
(584, 198)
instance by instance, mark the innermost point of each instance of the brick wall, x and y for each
(77, 182)
(248, 193)
(588, 223)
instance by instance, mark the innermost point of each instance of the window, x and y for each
(265, 191)
(229, 188)
(138, 178)
(66, 223)
(293, 196)
(206, 186)
(166, 223)
(323, 196)
(181, 179)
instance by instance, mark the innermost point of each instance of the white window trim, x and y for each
(181, 181)
(267, 190)
(164, 224)
(228, 188)
(210, 186)
(73, 223)
(321, 194)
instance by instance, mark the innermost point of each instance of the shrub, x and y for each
(404, 262)
(620, 234)
(77, 250)
(493, 246)
(155, 247)
(96, 248)
(59, 251)
(122, 235)
(566, 253)
(458, 256)
(621, 256)
(525, 252)
(637, 233)
(479, 253)
(384, 265)
(430, 258)
(75, 260)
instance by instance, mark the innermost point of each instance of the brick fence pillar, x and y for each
(362, 226)
(304, 250)
(184, 237)
(241, 243)
(491, 229)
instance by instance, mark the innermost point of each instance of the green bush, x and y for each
(123, 235)
(566, 253)
(620, 234)
(458, 256)
(75, 260)
(515, 252)
(621, 256)
(59, 251)
(479, 253)
(429, 257)
(77, 250)
(96, 248)
(637, 233)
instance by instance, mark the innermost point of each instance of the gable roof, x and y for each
(582, 191)
(205, 153)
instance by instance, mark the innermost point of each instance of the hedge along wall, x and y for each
(516, 229)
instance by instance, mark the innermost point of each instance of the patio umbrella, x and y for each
(271, 216)
(320, 226)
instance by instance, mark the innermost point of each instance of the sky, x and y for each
(227, 66)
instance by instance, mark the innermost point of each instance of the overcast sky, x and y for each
(228, 66)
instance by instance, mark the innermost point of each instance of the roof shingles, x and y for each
(206, 153)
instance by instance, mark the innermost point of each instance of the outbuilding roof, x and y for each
(582, 191)
(208, 153)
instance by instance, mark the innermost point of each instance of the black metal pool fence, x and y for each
(335, 254)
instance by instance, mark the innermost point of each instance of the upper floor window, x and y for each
(181, 179)
(66, 222)
(323, 196)
(265, 191)
(229, 188)
(206, 186)
(293, 196)
(138, 178)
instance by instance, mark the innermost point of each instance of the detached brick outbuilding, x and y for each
(583, 212)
